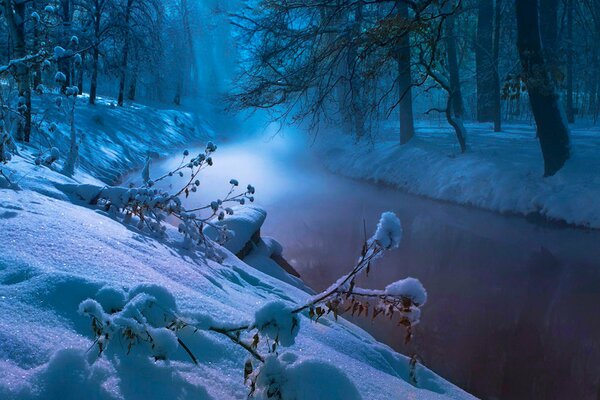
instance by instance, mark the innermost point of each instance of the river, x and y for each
(513, 308)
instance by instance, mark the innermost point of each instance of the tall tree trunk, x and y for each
(36, 68)
(496, 67)
(125, 54)
(131, 93)
(357, 112)
(73, 155)
(456, 92)
(95, 52)
(64, 64)
(94, 78)
(570, 44)
(15, 19)
(132, 90)
(484, 61)
(548, 22)
(407, 128)
(552, 130)
(193, 68)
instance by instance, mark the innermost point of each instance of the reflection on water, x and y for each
(513, 306)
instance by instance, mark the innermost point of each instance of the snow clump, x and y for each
(389, 231)
(277, 321)
(409, 288)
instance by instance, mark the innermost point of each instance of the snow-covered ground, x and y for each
(500, 172)
(116, 139)
(56, 252)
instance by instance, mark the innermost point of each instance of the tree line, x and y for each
(355, 63)
(122, 48)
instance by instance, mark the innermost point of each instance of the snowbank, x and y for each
(244, 223)
(88, 303)
(115, 139)
(61, 262)
(501, 172)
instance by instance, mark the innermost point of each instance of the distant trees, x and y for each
(119, 47)
(350, 63)
(484, 56)
(304, 57)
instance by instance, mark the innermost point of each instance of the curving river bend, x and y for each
(513, 309)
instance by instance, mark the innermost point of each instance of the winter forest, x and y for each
(299, 199)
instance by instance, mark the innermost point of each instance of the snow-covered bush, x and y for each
(148, 206)
(277, 321)
(147, 318)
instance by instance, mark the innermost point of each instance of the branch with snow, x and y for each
(148, 206)
(155, 326)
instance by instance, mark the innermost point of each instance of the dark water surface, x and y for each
(513, 309)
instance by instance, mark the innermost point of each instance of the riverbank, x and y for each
(500, 172)
(56, 252)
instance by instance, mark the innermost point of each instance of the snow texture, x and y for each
(276, 320)
(304, 380)
(389, 231)
(501, 172)
(59, 256)
(409, 287)
(244, 223)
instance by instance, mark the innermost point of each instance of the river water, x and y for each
(514, 306)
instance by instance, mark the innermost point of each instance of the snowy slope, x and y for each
(54, 254)
(117, 139)
(500, 171)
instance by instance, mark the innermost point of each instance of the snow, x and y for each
(244, 223)
(60, 256)
(389, 231)
(276, 320)
(304, 379)
(409, 287)
(501, 172)
(115, 140)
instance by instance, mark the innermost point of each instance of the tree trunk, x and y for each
(80, 75)
(94, 78)
(132, 86)
(193, 70)
(71, 161)
(36, 68)
(95, 52)
(455, 92)
(570, 44)
(552, 129)
(125, 54)
(15, 19)
(496, 67)
(548, 20)
(357, 112)
(407, 129)
(484, 61)
(64, 64)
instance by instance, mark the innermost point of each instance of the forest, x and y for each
(299, 199)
